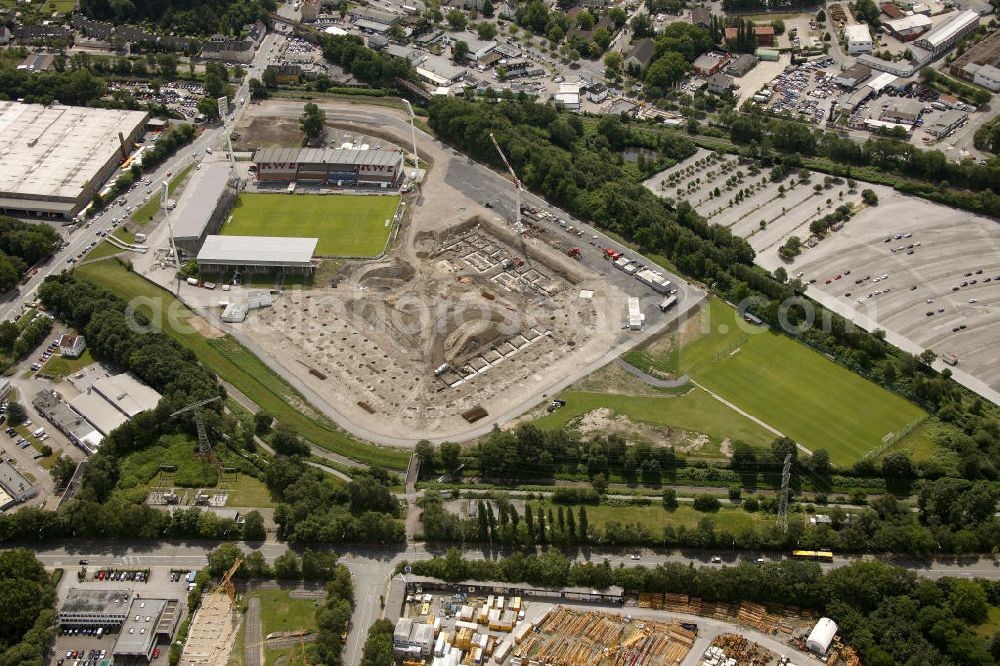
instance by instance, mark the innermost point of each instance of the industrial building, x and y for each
(77, 429)
(111, 401)
(257, 254)
(53, 159)
(95, 608)
(710, 62)
(942, 38)
(821, 636)
(858, 39)
(14, 487)
(946, 122)
(980, 63)
(412, 639)
(202, 207)
(141, 623)
(614, 594)
(340, 166)
(853, 76)
(908, 28)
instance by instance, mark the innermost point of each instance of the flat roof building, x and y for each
(203, 206)
(942, 38)
(908, 28)
(127, 394)
(54, 158)
(16, 486)
(858, 39)
(710, 62)
(340, 166)
(77, 429)
(139, 633)
(95, 608)
(257, 254)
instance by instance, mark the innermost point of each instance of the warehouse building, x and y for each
(95, 608)
(980, 63)
(257, 254)
(149, 621)
(942, 38)
(613, 594)
(55, 158)
(14, 487)
(111, 401)
(908, 28)
(77, 429)
(203, 207)
(340, 166)
(821, 636)
(858, 39)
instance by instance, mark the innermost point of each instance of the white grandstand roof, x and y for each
(55, 151)
(199, 199)
(258, 251)
(327, 156)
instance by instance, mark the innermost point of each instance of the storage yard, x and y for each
(899, 265)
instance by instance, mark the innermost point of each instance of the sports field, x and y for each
(346, 225)
(809, 398)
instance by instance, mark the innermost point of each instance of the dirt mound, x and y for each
(605, 421)
(386, 276)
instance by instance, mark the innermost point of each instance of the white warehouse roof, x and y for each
(942, 34)
(127, 393)
(881, 81)
(258, 251)
(821, 636)
(858, 33)
(55, 151)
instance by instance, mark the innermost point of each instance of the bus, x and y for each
(815, 555)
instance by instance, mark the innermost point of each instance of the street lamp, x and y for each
(413, 134)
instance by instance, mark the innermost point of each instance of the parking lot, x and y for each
(805, 91)
(926, 278)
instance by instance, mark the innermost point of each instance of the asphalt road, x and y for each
(252, 634)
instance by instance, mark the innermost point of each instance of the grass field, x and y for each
(59, 366)
(48, 461)
(696, 411)
(237, 366)
(279, 612)
(655, 517)
(346, 225)
(106, 249)
(793, 388)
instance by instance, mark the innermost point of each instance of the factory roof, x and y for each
(55, 151)
(98, 411)
(198, 201)
(13, 481)
(127, 393)
(858, 32)
(943, 33)
(258, 251)
(907, 23)
(881, 81)
(327, 156)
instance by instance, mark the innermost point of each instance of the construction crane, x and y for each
(204, 446)
(226, 584)
(517, 183)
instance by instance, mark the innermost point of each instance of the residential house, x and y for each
(720, 83)
(72, 346)
(597, 93)
(764, 35)
(701, 18)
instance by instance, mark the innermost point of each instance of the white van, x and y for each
(39, 432)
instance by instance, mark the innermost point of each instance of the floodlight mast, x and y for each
(517, 184)
(413, 135)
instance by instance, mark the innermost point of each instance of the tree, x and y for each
(897, 466)
(968, 601)
(253, 527)
(669, 499)
(488, 9)
(583, 525)
(222, 559)
(258, 90)
(312, 121)
(287, 442)
(450, 453)
(286, 566)
(425, 454)
(780, 274)
(618, 16)
(262, 422)
(208, 107)
(486, 30)
(869, 197)
(270, 78)
(456, 19)
(16, 414)
(167, 64)
(600, 483)
(460, 51)
(62, 470)
(706, 503)
(378, 645)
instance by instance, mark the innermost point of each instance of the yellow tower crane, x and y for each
(226, 584)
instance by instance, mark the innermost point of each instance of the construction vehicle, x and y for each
(226, 584)
(611, 255)
(517, 184)
(574, 252)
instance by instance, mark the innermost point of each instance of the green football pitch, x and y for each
(346, 225)
(793, 388)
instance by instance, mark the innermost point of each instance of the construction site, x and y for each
(213, 628)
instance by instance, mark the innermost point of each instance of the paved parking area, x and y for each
(922, 300)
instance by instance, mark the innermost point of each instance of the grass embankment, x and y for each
(655, 517)
(237, 366)
(346, 225)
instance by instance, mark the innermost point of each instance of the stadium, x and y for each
(339, 166)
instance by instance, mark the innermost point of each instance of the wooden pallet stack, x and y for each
(757, 616)
(676, 603)
(645, 599)
(657, 600)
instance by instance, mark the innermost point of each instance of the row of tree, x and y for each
(22, 245)
(203, 17)
(888, 614)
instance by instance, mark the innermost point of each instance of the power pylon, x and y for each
(204, 446)
(786, 476)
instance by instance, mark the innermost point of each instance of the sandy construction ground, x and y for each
(923, 302)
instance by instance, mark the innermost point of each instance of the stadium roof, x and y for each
(53, 152)
(199, 199)
(327, 156)
(258, 251)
